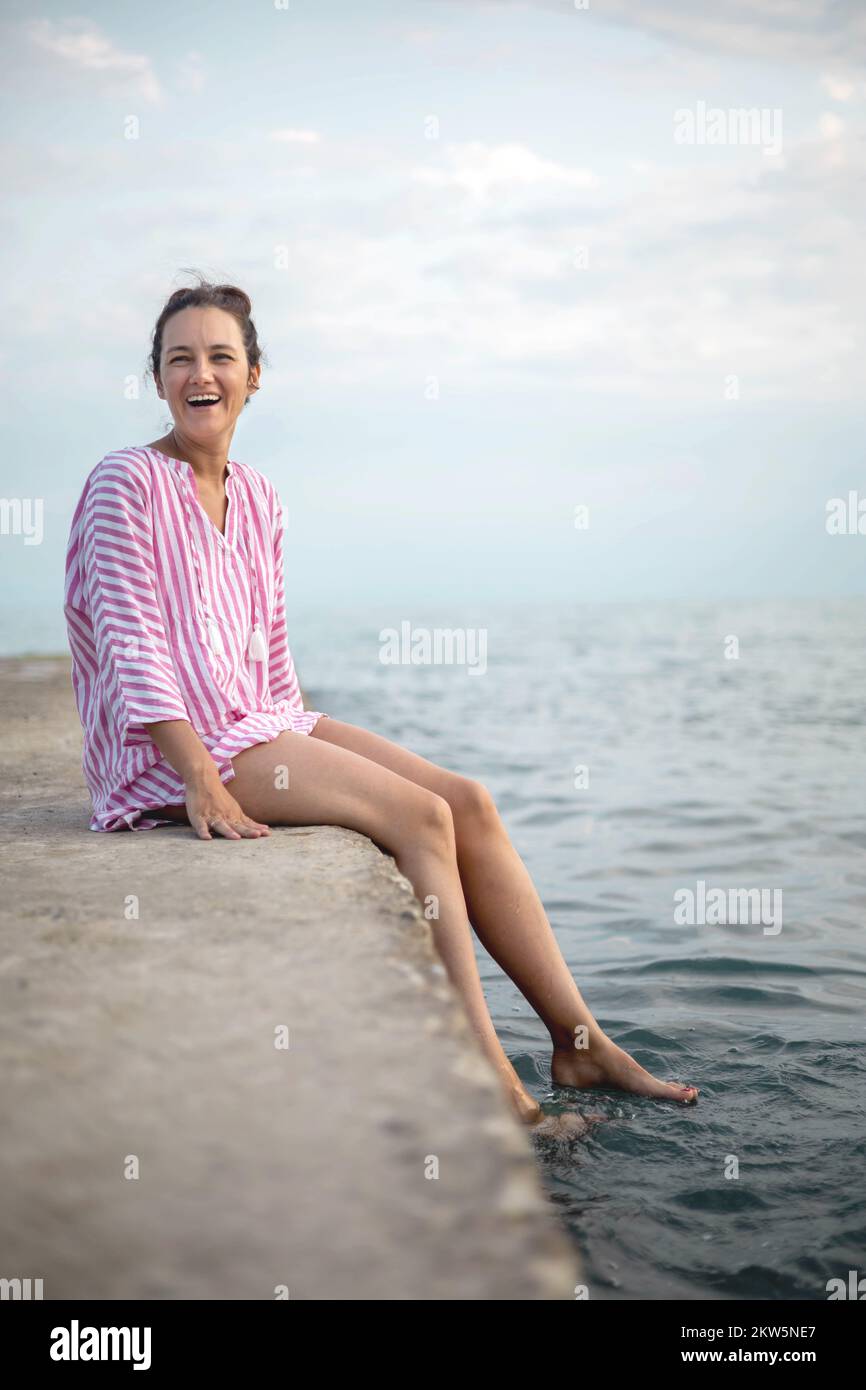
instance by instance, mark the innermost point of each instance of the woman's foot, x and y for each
(605, 1064)
(569, 1125)
(527, 1110)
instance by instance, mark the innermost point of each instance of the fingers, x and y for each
(225, 828)
(249, 829)
(239, 827)
(231, 830)
(246, 829)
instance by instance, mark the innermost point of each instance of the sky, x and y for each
(507, 261)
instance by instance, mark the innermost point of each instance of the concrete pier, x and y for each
(236, 1069)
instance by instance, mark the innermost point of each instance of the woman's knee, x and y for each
(329, 785)
(472, 807)
(429, 821)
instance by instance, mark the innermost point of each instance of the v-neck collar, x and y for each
(186, 473)
(229, 542)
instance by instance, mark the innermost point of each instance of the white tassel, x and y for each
(216, 637)
(256, 651)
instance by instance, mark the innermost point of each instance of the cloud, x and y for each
(844, 87)
(659, 272)
(296, 137)
(485, 172)
(772, 30)
(691, 273)
(810, 31)
(84, 48)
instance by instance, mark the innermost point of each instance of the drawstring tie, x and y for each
(256, 650)
(256, 646)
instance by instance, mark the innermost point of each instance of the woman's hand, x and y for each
(210, 805)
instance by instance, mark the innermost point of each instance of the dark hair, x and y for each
(207, 295)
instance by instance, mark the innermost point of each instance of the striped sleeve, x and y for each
(120, 582)
(282, 679)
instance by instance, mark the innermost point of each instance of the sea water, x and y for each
(636, 752)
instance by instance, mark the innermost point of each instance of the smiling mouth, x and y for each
(203, 402)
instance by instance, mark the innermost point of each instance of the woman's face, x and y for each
(203, 354)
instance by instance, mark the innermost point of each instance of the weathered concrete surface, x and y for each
(155, 1037)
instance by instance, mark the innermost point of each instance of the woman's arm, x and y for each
(208, 800)
(119, 579)
(118, 576)
(181, 746)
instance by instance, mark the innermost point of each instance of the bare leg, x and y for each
(329, 785)
(508, 916)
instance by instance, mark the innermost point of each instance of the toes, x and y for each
(677, 1091)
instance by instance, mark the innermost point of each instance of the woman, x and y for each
(192, 713)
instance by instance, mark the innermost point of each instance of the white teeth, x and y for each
(190, 399)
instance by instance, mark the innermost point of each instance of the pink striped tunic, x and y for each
(169, 619)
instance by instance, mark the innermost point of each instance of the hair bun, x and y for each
(236, 293)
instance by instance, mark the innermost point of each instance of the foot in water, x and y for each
(604, 1064)
(567, 1125)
